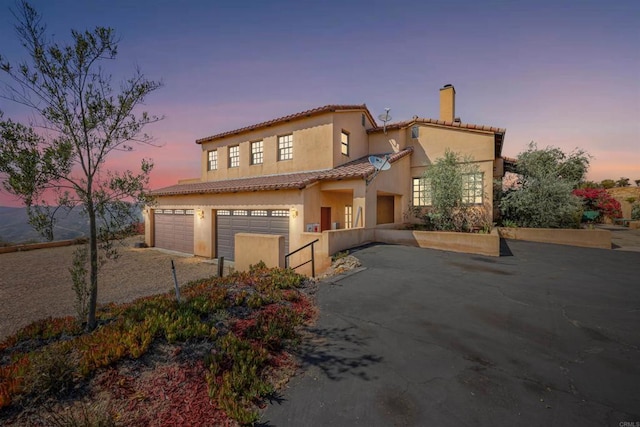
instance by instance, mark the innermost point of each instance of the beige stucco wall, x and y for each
(250, 249)
(433, 141)
(391, 142)
(316, 146)
(351, 122)
(585, 238)
(312, 149)
(484, 244)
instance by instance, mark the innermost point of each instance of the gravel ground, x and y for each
(37, 284)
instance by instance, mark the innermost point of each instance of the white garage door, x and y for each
(174, 229)
(230, 222)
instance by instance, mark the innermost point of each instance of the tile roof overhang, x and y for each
(498, 132)
(510, 164)
(301, 115)
(360, 168)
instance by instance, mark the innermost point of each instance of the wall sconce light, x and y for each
(200, 213)
(294, 213)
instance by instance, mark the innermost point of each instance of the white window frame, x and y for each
(285, 147)
(348, 216)
(344, 143)
(257, 152)
(420, 192)
(212, 160)
(473, 188)
(234, 156)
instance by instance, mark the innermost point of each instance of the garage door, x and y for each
(174, 229)
(230, 222)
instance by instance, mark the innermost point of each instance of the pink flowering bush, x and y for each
(598, 199)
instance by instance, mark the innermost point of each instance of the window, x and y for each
(420, 192)
(234, 156)
(362, 120)
(213, 160)
(280, 213)
(415, 132)
(256, 153)
(348, 216)
(285, 147)
(472, 188)
(344, 140)
(259, 213)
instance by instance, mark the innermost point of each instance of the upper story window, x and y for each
(256, 152)
(362, 120)
(212, 163)
(472, 186)
(234, 156)
(285, 147)
(344, 140)
(415, 132)
(420, 192)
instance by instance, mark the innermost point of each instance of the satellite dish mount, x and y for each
(384, 118)
(380, 164)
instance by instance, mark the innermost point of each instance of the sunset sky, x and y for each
(560, 73)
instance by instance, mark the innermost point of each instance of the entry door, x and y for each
(325, 219)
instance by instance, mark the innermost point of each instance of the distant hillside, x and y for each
(15, 228)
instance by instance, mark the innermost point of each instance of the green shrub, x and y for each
(235, 377)
(543, 195)
(51, 371)
(635, 211)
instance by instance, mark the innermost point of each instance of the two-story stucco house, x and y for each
(309, 172)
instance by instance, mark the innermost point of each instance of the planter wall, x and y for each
(472, 243)
(585, 238)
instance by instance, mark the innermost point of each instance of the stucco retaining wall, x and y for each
(252, 248)
(579, 237)
(475, 243)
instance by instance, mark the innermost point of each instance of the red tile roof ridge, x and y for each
(358, 168)
(318, 110)
(407, 123)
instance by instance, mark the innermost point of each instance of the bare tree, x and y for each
(82, 119)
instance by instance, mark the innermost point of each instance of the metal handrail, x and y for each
(312, 260)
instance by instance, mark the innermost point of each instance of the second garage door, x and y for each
(230, 222)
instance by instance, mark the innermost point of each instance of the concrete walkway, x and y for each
(623, 238)
(546, 335)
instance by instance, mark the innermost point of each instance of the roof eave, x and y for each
(296, 116)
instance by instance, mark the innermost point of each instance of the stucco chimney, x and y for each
(448, 103)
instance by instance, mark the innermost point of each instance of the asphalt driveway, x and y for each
(548, 335)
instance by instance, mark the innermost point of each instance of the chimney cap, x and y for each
(447, 86)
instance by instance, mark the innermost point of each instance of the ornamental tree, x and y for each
(598, 199)
(81, 120)
(445, 183)
(542, 196)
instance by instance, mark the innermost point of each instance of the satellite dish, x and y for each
(384, 118)
(379, 163)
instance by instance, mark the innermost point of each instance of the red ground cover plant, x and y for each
(209, 360)
(598, 199)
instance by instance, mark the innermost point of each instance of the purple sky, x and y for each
(560, 73)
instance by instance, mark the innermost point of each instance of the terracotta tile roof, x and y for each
(360, 168)
(510, 164)
(302, 114)
(419, 120)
